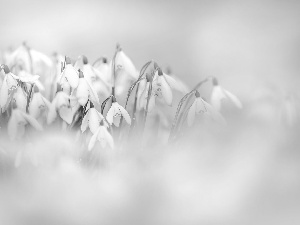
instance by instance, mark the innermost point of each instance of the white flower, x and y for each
(92, 120)
(85, 91)
(103, 70)
(20, 99)
(17, 122)
(160, 88)
(69, 76)
(61, 103)
(124, 63)
(103, 136)
(28, 78)
(27, 58)
(10, 83)
(201, 107)
(219, 93)
(115, 112)
(143, 92)
(38, 105)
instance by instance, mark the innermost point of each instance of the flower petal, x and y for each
(217, 96)
(93, 140)
(38, 56)
(4, 93)
(110, 114)
(125, 62)
(166, 90)
(191, 113)
(66, 114)
(34, 105)
(94, 120)
(234, 99)
(215, 114)
(71, 75)
(124, 114)
(93, 93)
(176, 84)
(82, 92)
(85, 122)
(32, 121)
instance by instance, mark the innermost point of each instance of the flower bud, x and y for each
(114, 99)
(197, 94)
(104, 60)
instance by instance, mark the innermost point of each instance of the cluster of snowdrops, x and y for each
(105, 102)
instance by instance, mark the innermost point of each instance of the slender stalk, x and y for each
(104, 104)
(29, 97)
(146, 111)
(181, 113)
(142, 71)
(114, 70)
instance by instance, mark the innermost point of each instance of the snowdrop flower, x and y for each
(219, 93)
(143, 91)
(10, 83)
(201, 107)
(38, 105)
(18, 121)
(124, 63)
(85, 91)
(20, 99)
(61, 104)
(69, 77)
(162, 88)
(92, 120)
(28, 58)
(103, 136)
(103, 70)
(115, 112)
(28, 78)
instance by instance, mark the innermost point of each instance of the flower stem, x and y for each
(146, 111)
(142, 71)
(181, 110)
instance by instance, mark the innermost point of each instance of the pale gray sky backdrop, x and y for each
(244, 43)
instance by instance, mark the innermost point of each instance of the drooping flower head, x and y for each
(69, 77)
(20, 99)
(29, 59)
(103, 136)
(39, 105)
(92, 120)
(202, 108)
(9, 84)
(61, 104)
(85, 91)
(18, 121)
(115, 112)
(219, 94)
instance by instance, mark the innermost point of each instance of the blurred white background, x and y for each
(244, 43)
